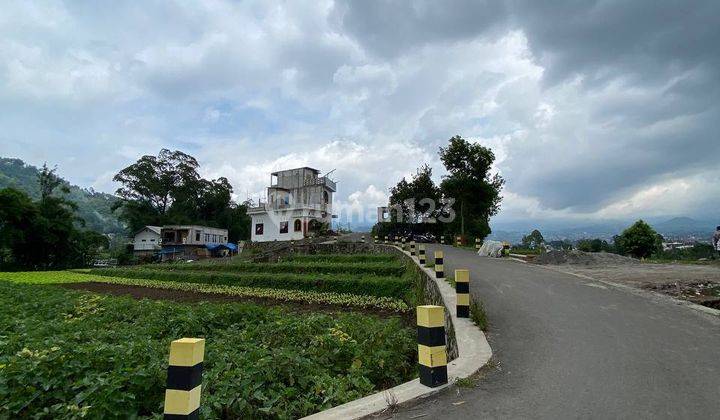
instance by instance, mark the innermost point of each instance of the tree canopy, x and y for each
(639, 240)
(475, 191)
(167, 189)
(533, 240)
(43, 234)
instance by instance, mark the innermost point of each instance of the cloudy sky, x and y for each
(597, 109)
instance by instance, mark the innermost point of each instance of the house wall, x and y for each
(146, 240)
(197, 235)
(271, 226)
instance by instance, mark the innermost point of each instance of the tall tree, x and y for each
(639, 240)
(475, 191)
(533, 240)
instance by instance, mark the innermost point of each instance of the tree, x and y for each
(167, 189)
(470, 184)
(415, 201)
(533, 240)
(639, 240)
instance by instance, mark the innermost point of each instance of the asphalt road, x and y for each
(567, 347)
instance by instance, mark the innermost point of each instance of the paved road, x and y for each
(567, 347)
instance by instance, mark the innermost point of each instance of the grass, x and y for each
(478, 314)
(391, 268)
(338, 283)
(343, 258)
(68, 354)
(47, 277)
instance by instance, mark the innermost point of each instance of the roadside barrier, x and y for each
(477, 243)
(362, 238)
(421, 254)
(458, 241)
(432, 354)
(184, 379)
(412, 248)
(439, 273)
(462, 292)
(442, 240)
(404, 245)
(386, 240)
(375, 239)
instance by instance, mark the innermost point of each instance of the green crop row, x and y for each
(392, 268)
(336, 283)
(67, 354)
(343, 258)
(283, 295)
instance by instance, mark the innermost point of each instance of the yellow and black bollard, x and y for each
(432, 355)
(386, 240)
(362, 239)
(442, 240)
(184, 379)
(477, 243)
(375, 239)
(458, 241)
(439, 269)
(404, 247)
(421, 254)
(412, 248)
(462, 292)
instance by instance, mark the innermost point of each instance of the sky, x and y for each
(594, 109)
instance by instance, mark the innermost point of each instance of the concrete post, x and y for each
(184, 379)
(432, 354)
(439, 269)
(421, 254)
(462, 292)
(477, 243)
(412, 248)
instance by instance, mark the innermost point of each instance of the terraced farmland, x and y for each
(283, 340)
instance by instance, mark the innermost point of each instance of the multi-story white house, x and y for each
(295, 198)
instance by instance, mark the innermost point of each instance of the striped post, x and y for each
(386, 240)
(184, 378)
(462, 291)
(292, 243)
(362, 238)
(375, 239)
(421, 254)
(477, 243)
(439, 269)
(442, 240)
(432, 355)
(404, 247)
(412, 248)
(397, 242)
(458, 241)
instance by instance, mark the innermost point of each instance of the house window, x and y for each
(259, 228)
(197, 236)
(144, 240)
(283, 227)
(152, 240)
(298, 225)
(326, 197)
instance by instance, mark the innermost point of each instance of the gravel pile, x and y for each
(575, 257)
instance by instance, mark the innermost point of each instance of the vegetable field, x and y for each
(71, 353)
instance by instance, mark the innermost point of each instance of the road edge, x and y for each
(474, 352)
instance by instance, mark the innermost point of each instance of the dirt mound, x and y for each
(575, 257)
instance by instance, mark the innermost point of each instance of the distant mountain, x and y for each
(93, 207)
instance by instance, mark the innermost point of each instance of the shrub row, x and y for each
(67, 354)
(338, 283)
(284, 295)
(343, 258)
(316, 267)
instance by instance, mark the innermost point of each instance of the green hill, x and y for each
(93, 207)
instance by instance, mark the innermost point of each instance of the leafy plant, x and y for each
(478, 315)
(67, 354)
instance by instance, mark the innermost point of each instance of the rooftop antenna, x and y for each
(327, 175)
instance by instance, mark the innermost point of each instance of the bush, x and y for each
(360, 285)
(594, 245)
(306, 267)
(639, 240)
(67, 354)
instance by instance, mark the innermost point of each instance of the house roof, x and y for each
(154, 229)
(295, 169)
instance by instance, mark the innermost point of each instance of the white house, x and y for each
(147, 240)
(191, 241)
(295, 198)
